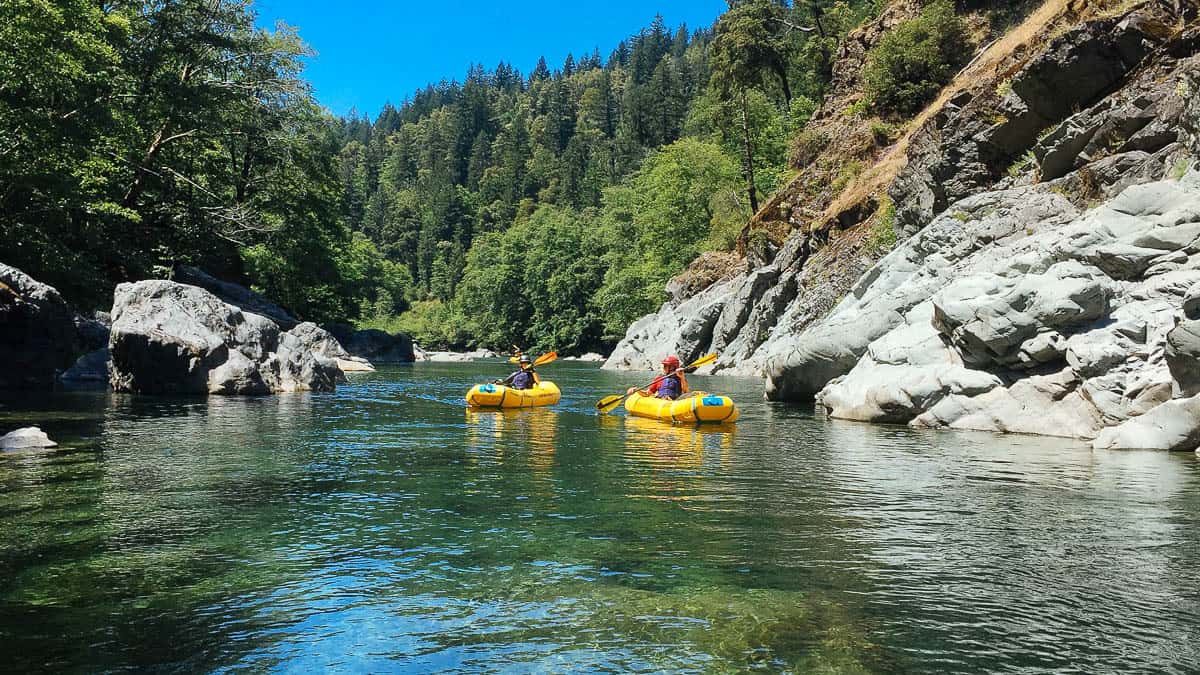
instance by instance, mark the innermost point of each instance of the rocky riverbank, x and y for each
(1046, 277)
(163, 336)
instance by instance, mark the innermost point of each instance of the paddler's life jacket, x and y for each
(523, 379)
(669, 387)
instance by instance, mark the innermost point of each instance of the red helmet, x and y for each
(671, 361)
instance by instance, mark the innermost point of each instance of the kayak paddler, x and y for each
(670, 385)
(525, 378)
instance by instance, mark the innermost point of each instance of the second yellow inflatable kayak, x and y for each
(697, 408)
(500, 396)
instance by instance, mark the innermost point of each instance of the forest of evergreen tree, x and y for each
(546, 209)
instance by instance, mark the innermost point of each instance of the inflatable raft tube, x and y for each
(698, 408)
(500, 396)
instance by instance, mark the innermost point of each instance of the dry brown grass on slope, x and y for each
(997, 61)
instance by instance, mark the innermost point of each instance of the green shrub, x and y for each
(849, 172)
(916, 59)
(883, 133)
(1181, 168)
(882, 237)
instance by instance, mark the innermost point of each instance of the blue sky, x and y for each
(370, 52)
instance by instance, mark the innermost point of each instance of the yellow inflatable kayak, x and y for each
(697, 408)
(500, 396)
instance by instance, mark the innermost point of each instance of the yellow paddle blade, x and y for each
(545, 358)
(607, 403)
(702, 361)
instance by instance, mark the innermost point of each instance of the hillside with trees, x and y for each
(546, 208)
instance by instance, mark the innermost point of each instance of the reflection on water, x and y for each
(387, 528)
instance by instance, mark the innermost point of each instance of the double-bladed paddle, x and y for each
(544, 359)
(539, 361)
(606, 404)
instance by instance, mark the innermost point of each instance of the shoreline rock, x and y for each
(373, 345)
(459, 357)
(590, 357)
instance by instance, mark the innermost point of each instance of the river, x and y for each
(386, 528)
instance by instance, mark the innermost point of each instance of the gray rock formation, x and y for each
(1048, 252)
(38, 338)
(1051, 328)
(91, 369)
(27, 437)
(234, 294)
(798, 367)
(1174, 425)
(976, 140)
(373, 345)
(173, 338)
(684, 330)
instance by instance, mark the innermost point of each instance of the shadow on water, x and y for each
(385, 527)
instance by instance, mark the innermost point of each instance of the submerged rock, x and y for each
(174, 338)
(27, 437)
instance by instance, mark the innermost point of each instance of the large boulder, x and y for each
(173, 338)
(38, 338)
(239, 296)
(373, 344)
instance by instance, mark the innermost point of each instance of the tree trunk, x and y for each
(244, 178)
(748, 156)
(139, 178)
(781, 70)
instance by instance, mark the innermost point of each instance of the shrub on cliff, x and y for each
(916, 59)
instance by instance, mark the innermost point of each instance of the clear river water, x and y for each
(385, 528)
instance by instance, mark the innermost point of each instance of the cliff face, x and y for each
(1048, 224)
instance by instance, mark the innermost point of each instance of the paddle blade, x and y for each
(702, 361)
(545, 358)
(607, 403)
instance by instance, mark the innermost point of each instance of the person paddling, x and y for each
(670, 385)
(525, 378)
